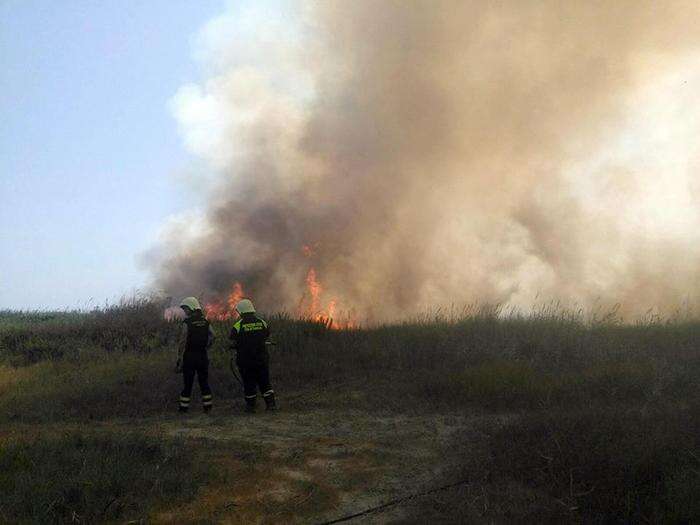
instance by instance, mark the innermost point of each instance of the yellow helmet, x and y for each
(190, 302)
(245, 306)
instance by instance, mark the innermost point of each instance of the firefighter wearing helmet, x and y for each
(197, 337)
(249, 339)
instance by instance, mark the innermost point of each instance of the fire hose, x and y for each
(233, 371)
(396, 501)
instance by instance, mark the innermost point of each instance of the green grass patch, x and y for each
(122, 385)
(134, 326)
(517, 384)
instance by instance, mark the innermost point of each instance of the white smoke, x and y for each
(446, 152)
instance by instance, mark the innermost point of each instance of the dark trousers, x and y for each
(195, 363)
(256, 376)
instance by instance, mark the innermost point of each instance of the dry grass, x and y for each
(590, 385)
(88, 478)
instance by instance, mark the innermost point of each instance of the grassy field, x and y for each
(553, 416)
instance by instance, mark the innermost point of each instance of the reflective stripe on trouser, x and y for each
(195, 364)
(207, 400)
(269, 397)
(250, 401)
(255, 376)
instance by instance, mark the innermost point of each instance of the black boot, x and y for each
(250, 405)
(270, 403)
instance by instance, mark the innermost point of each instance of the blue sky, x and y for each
(88, 147)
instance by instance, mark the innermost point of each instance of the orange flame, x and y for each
(310, 306)
(226, 309)
(315, 289)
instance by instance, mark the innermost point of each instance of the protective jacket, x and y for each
(198, 333)
(248, 337)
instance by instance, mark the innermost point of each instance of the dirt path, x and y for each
(303, 466)
(311, 467)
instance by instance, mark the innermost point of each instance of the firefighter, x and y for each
(248, 338)
(192, 359)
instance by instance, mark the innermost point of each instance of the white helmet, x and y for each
(245, 306)
(190, 302)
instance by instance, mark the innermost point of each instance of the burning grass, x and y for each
(595, 386)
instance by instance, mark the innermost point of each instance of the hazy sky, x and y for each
(89, 150)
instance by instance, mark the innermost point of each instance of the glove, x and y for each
(178, 366)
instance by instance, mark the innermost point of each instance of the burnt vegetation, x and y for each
(585, 418)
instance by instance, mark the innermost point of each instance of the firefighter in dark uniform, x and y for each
(196, 339)
(248, 338)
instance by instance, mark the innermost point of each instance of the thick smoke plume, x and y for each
(430, 153)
